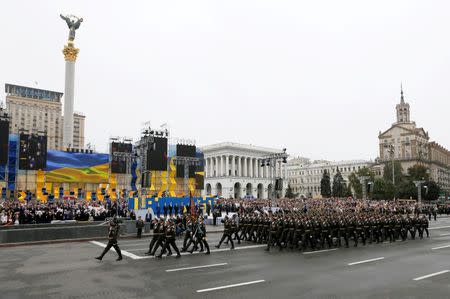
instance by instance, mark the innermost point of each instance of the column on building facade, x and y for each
(226, 165)
(206, 168)
(217, 166)
(239, 166)
(258, 165)
(222, 164)
(244, 166)
(233, 165)
(250, 167)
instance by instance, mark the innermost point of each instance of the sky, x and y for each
(320, 78)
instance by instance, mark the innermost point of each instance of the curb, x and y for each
(59, 241)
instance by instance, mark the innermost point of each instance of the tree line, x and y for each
(379, 188)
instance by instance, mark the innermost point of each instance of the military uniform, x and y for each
(113, 233)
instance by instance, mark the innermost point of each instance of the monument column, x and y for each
(70, 56)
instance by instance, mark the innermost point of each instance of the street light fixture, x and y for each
(272, 161)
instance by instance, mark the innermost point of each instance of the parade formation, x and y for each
(301, 224)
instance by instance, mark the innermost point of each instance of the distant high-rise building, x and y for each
(34, 110)
(78, 130)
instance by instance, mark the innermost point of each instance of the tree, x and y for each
(325, 185)
(383, 189)
(432, 191)
(379, 191)
(348, 191)
(398, 173)
(289, 193)
(338, 184)
(418, 172)
(407, 189)
(354, 182)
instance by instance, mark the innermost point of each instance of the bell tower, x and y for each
(402, 109)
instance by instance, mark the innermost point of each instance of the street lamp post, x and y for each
(272, 161)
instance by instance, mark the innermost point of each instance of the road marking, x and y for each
(440, 247)
(366, 261)
(439, 227)
(319, 251)
(197, 267)
(125, 253)
(212, 251)
(441, 235)
(431, 275)
(230, 286)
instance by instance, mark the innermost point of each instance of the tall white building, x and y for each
(304, 176)
(35, 110)
(235, 170)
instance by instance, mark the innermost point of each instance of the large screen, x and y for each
(118, 160)
(32, 152)
(121, 147)
(4, 133)
(118, 164)
(67, 167)
(180, 171)
(186, 150)
(157, 156)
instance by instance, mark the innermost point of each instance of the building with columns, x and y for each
(410, 145)
(234, 170)
(304, 176)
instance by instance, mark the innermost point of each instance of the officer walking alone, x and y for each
(113, 233)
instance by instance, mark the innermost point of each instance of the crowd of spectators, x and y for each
(330, 204)
(32, 212)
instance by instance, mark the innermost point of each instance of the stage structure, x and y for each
(168, 168)
(70, 56)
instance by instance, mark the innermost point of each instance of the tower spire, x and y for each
(402, 100)
(402, 108)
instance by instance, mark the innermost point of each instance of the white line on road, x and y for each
(230, 286)
(125, 253)
(439, 227)
(319, 251)
(442, 235)
(366, 261)
(440, 247)
(431, 275)
(212, 251)
(197, 267)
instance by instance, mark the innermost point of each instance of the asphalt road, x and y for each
(410, 269)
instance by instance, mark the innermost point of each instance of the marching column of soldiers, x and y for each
(164, 233)
(325, 230)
